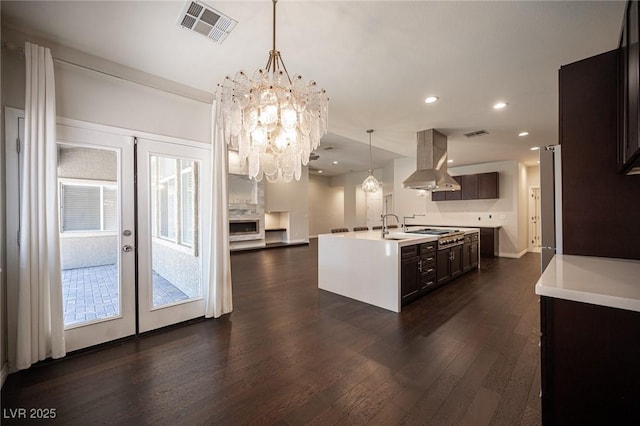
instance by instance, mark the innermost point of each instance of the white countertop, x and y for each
(395, 237)
(595, 280)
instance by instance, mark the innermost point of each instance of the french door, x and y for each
(173, 212)
(97, 224)
(134, 231)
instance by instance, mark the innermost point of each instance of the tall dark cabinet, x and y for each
(590, 354)
(600, 207)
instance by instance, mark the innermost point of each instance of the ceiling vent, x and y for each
(206, 21)
(313, 156)
(476, 133)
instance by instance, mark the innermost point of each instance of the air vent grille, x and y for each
(204, 20)
(476, 133)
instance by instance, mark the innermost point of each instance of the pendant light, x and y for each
(370, 184)
(273, 120)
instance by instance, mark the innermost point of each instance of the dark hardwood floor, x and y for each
(292, 355)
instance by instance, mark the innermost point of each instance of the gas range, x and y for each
(446, 237)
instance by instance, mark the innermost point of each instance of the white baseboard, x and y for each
(4, 373)
(514, 255)
(304, 240)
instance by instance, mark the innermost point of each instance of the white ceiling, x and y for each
(377, 60)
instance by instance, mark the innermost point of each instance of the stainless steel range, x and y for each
(446, 237)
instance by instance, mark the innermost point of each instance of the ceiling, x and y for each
(378, 61)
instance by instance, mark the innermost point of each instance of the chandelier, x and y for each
(274, 121)
(370, 184)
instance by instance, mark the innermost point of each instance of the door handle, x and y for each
(127, 248)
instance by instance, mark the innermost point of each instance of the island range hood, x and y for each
(431, 173)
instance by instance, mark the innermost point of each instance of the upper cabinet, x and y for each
(469, 187)
(488, 186)
(472, 187)
(629, 88)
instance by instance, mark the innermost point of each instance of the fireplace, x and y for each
(244, 227)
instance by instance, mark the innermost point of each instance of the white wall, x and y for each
(355, 201)
(533, 176)
(98, 98)
(291, 197)
(504, 211)
(326, 205)
(523, 209)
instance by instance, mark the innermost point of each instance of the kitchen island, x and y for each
(384, 272)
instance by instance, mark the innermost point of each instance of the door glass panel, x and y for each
(89, 238)
(176, 265)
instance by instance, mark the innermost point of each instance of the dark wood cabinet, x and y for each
(599, 205)
(417, 270)
(469, 186)
(473, 253)
(439, 195)
(472, 187)
(427, 267)
(590, 368)
(489, 242)
(409, 274)
(470, 252)
(488, 186)
(449, 263)
(443, 266)
(455, 195)
(456, 260)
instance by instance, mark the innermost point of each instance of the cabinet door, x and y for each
(466, 256)
(488, 185)
(409, 279)
(487, 242)
(455, 195)
(473, 254)
(438, 196)
(456, 261)
(443, 271)
(470, 187)
(428, 272)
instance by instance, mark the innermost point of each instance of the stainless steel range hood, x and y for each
(431, 173)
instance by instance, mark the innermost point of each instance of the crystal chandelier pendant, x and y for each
(370, 184)
(274, 121)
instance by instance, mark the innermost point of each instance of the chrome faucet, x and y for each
(404, 220)
(385, 230)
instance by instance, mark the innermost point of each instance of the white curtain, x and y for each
(219, 299)
(40, 331)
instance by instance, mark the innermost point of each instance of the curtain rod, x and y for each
(20, 50)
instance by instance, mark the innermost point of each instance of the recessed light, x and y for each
(431, 99)
(499, 105)
(334, 162)
(320, 171)
(523, 134)
(538, 161)
(449, 161)
(535, 148)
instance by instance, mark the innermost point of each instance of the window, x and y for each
(174, 200)
(88, 207)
